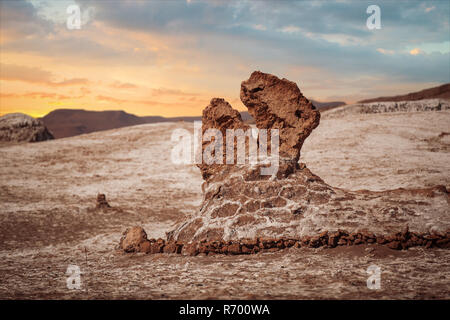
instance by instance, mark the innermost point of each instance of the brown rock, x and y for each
(132, 238)
(219, 115)
(170, 247)
(234, 248)
(246, 250)
(238, 201)
(333, 241)
(395, 245)
(279, 104)
(190, 249)
(145, 247)
(101, 201)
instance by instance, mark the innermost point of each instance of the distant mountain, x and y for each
(64, 123)
(322, 106)
(440, 92)
(71, 122)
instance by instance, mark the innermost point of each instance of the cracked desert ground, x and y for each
(48, 221)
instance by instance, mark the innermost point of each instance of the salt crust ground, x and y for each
(47, 221)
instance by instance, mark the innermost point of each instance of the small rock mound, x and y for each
(19, 127)
(101, 202)
(426, 105)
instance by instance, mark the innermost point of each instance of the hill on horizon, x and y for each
(439, 92)
(71, 122)
(65, 123)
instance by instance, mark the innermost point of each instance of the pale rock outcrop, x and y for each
(390, 106)
(19, 127)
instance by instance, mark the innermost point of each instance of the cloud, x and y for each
(19, 19)
(260, 27)
(111, 99)
(385, 51)
(35, 75)
(37, 95)
(170, 92)
(415, 51)
(290, 29)
(23, 73)
(180, 48)
(123, 85)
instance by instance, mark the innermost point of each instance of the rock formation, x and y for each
(18, 127)
(240, 203)
(279, 104)
(244, 212)
(219, 115)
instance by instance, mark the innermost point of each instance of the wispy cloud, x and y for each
(171, 56)
(35, 75)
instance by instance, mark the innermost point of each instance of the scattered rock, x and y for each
(101, 202)
(133, 238)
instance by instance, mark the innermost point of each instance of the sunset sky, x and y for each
(171, 57)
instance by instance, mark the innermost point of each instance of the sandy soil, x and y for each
(48, 220)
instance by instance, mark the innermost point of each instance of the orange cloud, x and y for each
(415, 51)
(35, 75)
(123, 85)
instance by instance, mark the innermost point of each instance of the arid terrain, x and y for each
(48, 218)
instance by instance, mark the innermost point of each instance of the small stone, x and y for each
(234, 248)
(101, 201)
(132, 238)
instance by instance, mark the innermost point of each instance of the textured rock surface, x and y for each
(240, 203)
(279, 104)
(396, 241)
(219, 115)
(18, 127)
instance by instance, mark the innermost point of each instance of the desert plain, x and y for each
(48, 218)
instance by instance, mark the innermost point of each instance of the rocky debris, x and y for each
(101, 202)
(19, 127)
(390, 106)
(279, 104)
(397, 241)
(135, 240)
